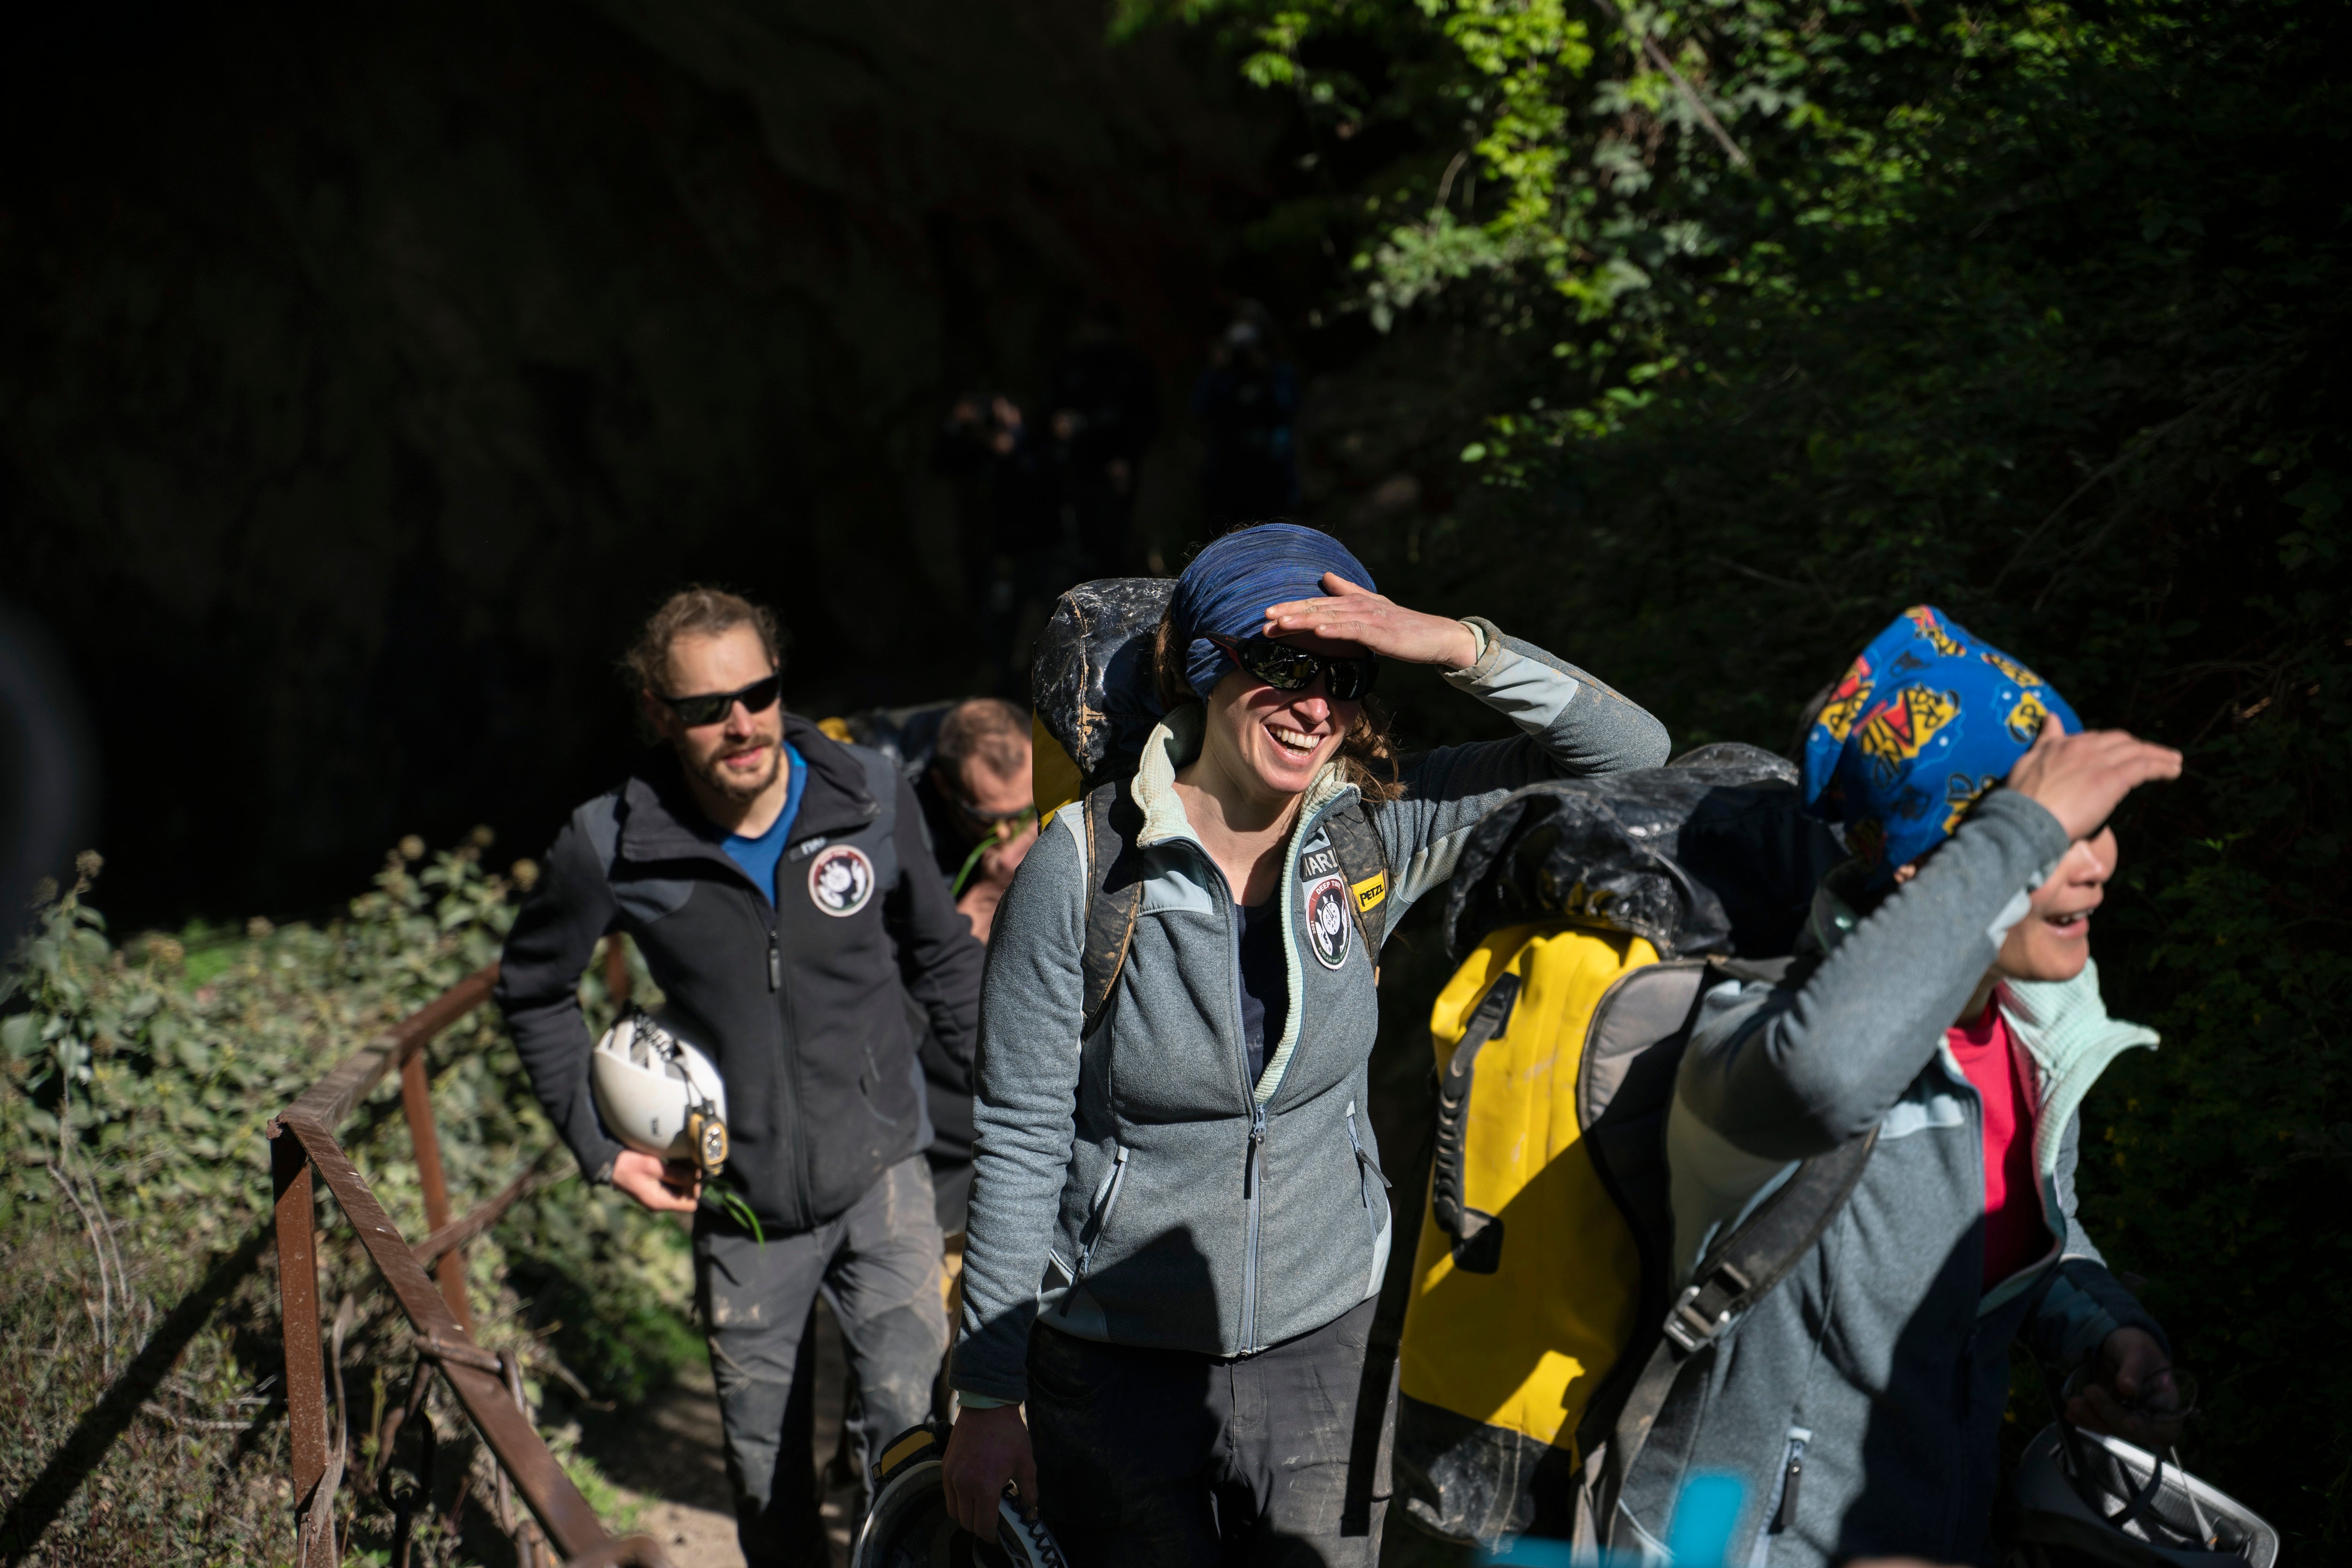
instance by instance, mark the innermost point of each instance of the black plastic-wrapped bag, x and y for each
(1090, 684)
(1712, 854)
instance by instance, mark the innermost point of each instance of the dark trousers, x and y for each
(877, 1267)
(1153, 1458)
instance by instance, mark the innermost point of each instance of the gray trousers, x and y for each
(877, 1267)
(1159, 1458)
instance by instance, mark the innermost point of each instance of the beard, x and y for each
(736, 786)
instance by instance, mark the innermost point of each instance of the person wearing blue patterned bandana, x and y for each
(1943, 1004)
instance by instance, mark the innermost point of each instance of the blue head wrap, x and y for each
(1230, 585)
(1924, 724)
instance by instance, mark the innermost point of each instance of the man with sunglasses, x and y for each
(979, 806)
(779, 888)
(980, 816)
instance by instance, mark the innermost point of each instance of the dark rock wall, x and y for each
(366, 371)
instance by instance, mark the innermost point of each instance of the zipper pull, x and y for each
(1785, 1515)
(1257, 1144)
(775, 963)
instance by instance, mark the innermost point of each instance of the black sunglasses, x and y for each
(1288, 669)
(970, 808)
(712, 706)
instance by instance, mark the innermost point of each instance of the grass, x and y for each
(140, 1363)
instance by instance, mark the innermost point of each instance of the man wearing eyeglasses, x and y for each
(979, 807)
(779, 888)
(980, 816)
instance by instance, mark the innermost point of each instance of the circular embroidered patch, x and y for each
(1327, 923)
(841, 879)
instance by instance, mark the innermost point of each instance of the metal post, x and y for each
(417, 1101)
(298, 1301)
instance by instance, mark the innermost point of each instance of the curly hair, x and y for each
(1367, 752)
(696, 611)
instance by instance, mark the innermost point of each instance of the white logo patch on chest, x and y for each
(1328, 921)
(841, 879)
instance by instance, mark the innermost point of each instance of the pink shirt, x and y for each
(2016, 1236)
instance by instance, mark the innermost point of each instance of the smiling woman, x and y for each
(1943, 1006)
(1211, 1226)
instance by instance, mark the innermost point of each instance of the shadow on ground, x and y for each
(666, 1454)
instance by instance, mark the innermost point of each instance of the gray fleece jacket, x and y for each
(1135, 1186)
(1880, 1366)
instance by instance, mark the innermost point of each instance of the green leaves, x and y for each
(159, 1070)
(2033, 310)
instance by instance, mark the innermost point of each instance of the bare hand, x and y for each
(987, 1448)
(1379, 624)
(981, 896)
(2081, 779)
(2136, 1396)
(665, 1186)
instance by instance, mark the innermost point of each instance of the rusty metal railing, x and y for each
(302, 1144)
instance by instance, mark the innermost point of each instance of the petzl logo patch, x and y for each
(841, 879)
(1370, 891)
(1329, 921)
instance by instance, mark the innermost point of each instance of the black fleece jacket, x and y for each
(797, 1001)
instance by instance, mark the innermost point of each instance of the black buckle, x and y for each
(1690, 1325)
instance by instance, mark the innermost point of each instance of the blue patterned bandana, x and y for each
(1924, 724)
(1229, 586)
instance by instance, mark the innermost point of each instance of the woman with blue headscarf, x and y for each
(1180, 1224)
(1944, 1007)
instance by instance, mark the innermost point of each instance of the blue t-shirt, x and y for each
(759, 856)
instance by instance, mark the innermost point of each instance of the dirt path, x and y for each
(666, 1453)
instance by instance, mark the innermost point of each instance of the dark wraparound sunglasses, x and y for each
(970, 808)
(1288, 669)
(712, 706)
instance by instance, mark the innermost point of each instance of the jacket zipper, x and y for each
(1105, 1201)
(1252, 1163)
(786, 1032)
(1252, 1174)
(1784, 1516)
(1253, 1169)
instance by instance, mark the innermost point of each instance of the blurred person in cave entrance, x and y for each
(1105, 404)
(778, 887)
(1247, 404)
(1017, 540)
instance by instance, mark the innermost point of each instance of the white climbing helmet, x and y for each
(909, 1525)
(658, 1093)
(2104, 1501)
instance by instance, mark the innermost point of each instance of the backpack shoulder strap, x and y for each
(1114, 895)
(1740, 1270)
(1477, 1235)
(1364, 861)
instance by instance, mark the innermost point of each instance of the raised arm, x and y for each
(554, 934)
(1572, 726)
(1806, 1068)
(1024, 1111)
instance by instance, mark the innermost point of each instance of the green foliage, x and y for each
(2035, 310)
(139, 1082)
